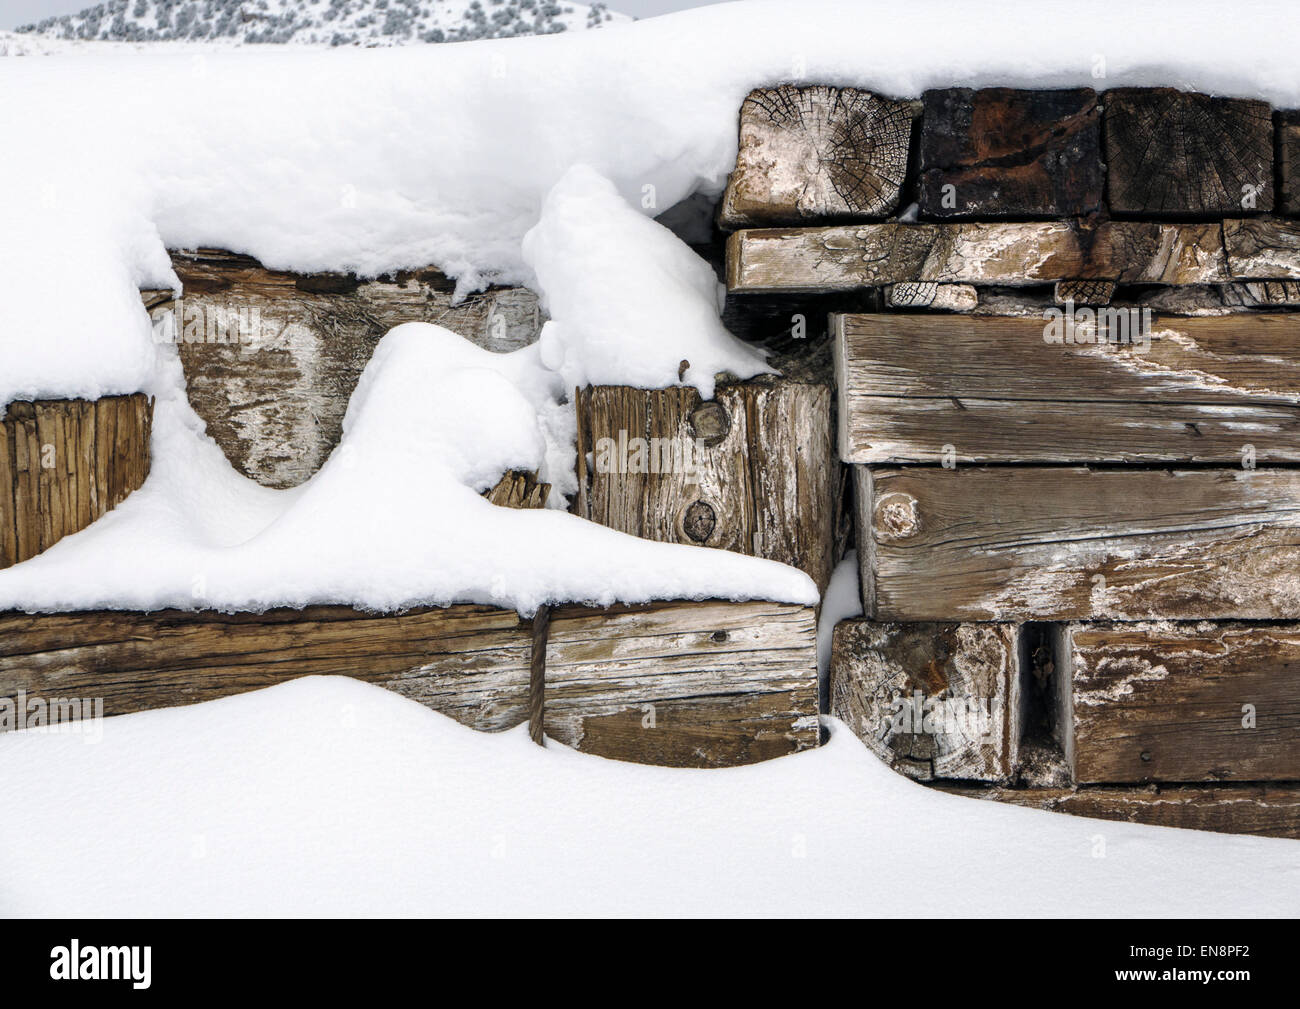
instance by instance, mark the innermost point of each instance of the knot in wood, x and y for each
(896, 517)
(710, 423)
(700, 521)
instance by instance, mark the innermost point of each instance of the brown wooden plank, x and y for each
(993, 390)
(1180, 153)
(706, 684)
(27, 470)
(817, 152)
(931, 700)
(1006, 152)
(469, 662)
(1075, 544)
(1262, 810)
(1183, 702)
(751, 470)
(271, 358)
(845, 257)
(8, 484)
(64, 463)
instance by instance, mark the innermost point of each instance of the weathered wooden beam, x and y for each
(751, 470)
(817, 152)
(468, 662)
(1180, 153)
(1184, 702)
(1263, 810)
(519, 489)
(939, 297)
(925, 389)
(932, 700)
(684, 684)
(1019, 253)
(1287, 125)
(1263, 248)
(1003, 152)
(64, 463)
(271, 357)
(1028, 543)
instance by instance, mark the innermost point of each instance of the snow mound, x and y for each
(393, 518)
(629, 303)
(277, 803)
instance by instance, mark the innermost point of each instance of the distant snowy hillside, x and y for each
(333, 22)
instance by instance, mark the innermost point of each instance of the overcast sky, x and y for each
(20, 12)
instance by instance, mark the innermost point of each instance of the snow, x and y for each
(629, 302)
(326, 796)
(392, 519)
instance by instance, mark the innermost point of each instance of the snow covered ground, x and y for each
(329, 796)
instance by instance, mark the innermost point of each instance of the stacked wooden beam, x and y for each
(1072, 438)
(64, 463)
(271, 358)
(692, 684)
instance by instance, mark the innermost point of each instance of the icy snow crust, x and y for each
(534, 161)
(326, 796)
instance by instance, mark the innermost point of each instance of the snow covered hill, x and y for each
(332, 22)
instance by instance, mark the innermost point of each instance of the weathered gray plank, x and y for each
(1263, 248)
(684, 684)
(1033, 543)
(932, 700)
(914, 388)
(751, 470)
(1011, 253)
(940, 297)
(1184, 702)
(817, 152)
(271, 357)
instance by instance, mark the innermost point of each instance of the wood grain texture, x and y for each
(1287, 125)
(271, 358)
(1263, 248)
(1262, 810)
(845, 257)
(1004, 152)
(1181, 153)
(750, 471)
(1177, 702)
(1014, 544)
(709, 684)
(519, 489)
(992, 390)
(1083, 292)
(64, 463)
(938, 297)
(931, 700)
(468, 662)
(817, 153)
